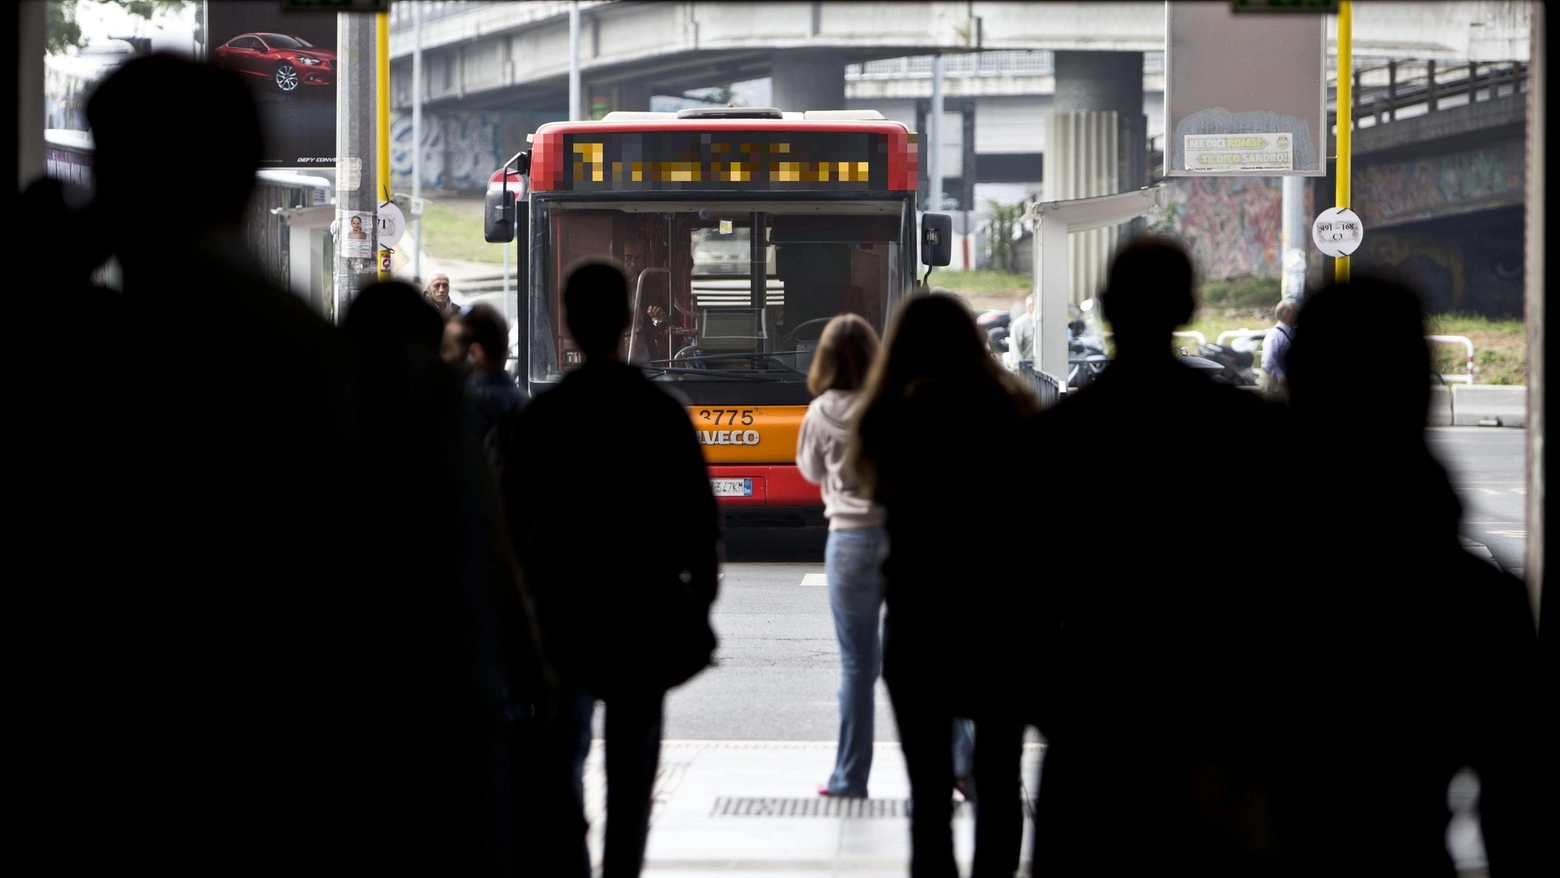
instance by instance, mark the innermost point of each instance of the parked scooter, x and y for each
(1086, 357)
(1236, 366)
(995, 325)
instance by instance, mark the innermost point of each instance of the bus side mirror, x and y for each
(936, 239)
(498, 216)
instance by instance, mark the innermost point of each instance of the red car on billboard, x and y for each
(288, 62)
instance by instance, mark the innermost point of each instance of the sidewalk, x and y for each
(750, 808)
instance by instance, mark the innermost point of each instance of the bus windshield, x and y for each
(735, 291)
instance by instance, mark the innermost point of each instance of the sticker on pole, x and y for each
(1338, 231)
(392, 225)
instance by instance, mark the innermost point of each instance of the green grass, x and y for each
(1499, 346)
(982, 281)
(453, 230)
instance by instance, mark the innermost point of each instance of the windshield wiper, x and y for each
(743, 357)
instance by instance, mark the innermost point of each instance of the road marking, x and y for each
(815, 579)
(1519, 490)
(1508, 533)
(1490, 491)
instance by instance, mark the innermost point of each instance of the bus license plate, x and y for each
(732, 487)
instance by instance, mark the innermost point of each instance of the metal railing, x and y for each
(1007, 62)
(1466, 343)
(1384, 91)
(1048, 388)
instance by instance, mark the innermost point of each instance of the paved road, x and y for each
(1489, 470)
(779, 668)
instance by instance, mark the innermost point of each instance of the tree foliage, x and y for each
(62, 32)
(1000, 245)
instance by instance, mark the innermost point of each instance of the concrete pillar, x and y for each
(1540, 199)
(30, 164)
(808, 80)
(1096, 144)
(1109, 81)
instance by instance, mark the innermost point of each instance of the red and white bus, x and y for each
(744, 231)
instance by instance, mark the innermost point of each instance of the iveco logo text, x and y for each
(728, 437)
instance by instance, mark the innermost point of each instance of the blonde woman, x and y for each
(857, 542)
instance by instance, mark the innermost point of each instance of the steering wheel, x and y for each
(786, 340)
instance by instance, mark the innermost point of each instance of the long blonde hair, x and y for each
(844, 355)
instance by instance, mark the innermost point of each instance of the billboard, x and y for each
(289, 59)
(1245, 95)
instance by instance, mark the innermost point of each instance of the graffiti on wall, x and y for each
(1476, 179)
(1233, 225)
(461, 150)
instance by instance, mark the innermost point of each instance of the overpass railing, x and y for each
(1413, 88)
(1006, 62)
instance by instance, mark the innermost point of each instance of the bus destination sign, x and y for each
(703, 160)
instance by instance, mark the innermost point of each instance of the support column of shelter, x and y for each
(805, 79)
(357, 154)
(1095, 145)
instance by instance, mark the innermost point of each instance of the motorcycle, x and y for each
(1236, 366)
(995, 325)
(1086, 357)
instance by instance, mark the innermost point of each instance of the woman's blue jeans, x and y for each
(853, 562)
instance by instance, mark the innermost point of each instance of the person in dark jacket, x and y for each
(475, 343)
(622, 617)
(951, 636)
(1413, 659)
(1145, 672)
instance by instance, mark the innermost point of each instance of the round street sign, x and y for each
(1337, 231)
(392, 225)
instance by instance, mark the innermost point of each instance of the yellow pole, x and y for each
(1345, 120)
(382, 62)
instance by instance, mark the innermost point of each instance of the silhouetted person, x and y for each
(1419, 658)
(476, 344)
(1140, 665)
(217, 653)
(458, 645)
(948, 649)
(622, 604)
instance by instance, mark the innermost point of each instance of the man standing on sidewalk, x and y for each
(438, 295)
(1275, 347)
(621, 624)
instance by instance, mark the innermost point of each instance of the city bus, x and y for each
(743, 232)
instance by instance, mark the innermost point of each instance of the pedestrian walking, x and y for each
(620, 626)
(1146, 715)
(914, 455)
(857, 543)
(1275, 347)
(1431, 661)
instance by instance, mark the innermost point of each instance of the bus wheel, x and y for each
(286, 77)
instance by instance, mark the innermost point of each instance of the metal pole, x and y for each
(934, 174)
(1295, 227)
(574, 61)
(355, 149)
(1345, 120)
(417, 93)
(382, 94)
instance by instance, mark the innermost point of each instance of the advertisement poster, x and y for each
(289, 59)
(1212, 153)
(356, 244)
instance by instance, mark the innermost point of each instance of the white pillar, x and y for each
(574, 62)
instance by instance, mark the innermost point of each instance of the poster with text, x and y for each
(289, 60)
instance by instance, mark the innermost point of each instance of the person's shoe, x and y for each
(963, 789)
(823, 790)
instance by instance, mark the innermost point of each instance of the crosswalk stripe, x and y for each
(815, 579)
